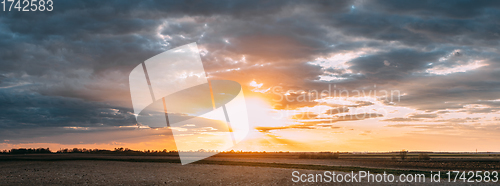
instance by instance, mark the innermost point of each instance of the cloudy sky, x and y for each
(64, 74)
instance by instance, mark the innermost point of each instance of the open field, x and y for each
(269, 168)
(76, 172)
(436, 162)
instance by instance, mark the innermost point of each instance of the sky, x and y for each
(416, 75)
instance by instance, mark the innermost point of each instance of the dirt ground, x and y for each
(436, 164)
(87, 172)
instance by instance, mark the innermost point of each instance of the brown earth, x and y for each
(86, 172)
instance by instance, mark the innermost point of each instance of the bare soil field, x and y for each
(434, 164)
(222, 169)
(88, 172)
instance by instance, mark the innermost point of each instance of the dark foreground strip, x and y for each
(314, 167)
(238, 163)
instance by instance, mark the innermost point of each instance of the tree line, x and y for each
(120, 150)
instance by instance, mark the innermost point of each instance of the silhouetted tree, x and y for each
(402, 154)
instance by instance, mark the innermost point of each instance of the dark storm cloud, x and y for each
(454, 91)
(69, 67)
(21, 109)
(81, 135)
(82, 52)
(428, 29)
(456, 9)
(394, 64)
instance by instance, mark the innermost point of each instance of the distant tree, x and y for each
(119, 149)
(29, 151)
(402, 154)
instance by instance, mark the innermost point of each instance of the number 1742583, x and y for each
(27, 5)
